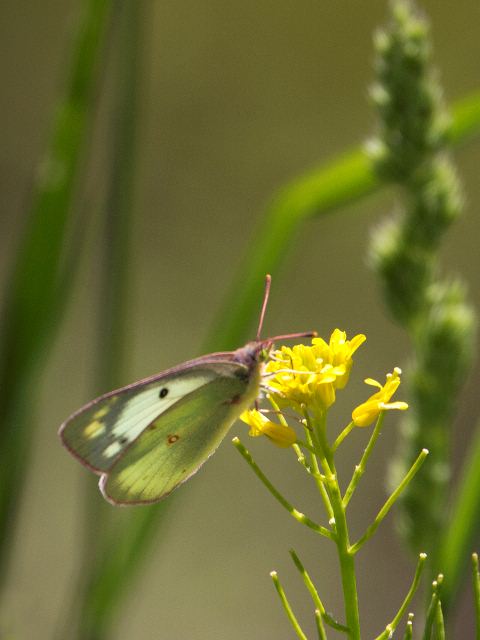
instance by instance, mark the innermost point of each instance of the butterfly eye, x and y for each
(163, 392)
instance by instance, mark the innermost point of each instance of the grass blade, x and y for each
(462, 527)
(31, 311)
(112, 545)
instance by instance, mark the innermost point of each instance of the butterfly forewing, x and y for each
(177, 443)
(102, 431)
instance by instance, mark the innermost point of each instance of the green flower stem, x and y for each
(360, 468)
(319, 477)
(391, 501)
(476, 593)
(277, 411)
(320, 434)
(390, 628)
(342, 436)
(301, 456)
(317, 430)
(314, 594)
(432, 608)
(302, 459)
(319, 624)
(408, 635)
(287, 607)
(439, 622)
(308, 582)
(300, 517)
(346, 558)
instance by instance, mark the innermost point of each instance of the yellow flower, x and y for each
(308, 375)
(338, 352)
(368, 411)
(260, 425)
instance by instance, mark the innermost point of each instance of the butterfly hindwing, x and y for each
(102, 431)
(177, 443)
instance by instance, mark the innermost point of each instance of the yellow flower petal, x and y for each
(368, 411)
(260, 425)
(373, 383)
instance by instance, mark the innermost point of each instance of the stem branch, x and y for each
(390, 502)
(287, 607)
(300, 517)
(390, 628)
(360, 468)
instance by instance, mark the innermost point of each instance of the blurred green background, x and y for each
(236, 99)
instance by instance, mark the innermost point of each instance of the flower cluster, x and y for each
(306, 378)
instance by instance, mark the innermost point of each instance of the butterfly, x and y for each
(147, 438)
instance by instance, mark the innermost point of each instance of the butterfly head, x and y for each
(254, 353)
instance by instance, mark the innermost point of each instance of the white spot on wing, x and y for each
(112, 450)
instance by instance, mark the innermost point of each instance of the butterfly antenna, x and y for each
(268, 282)
(294, 336)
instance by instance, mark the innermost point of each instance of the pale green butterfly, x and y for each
(150, 436)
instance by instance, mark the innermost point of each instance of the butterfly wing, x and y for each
(99, 432)
(197, 401)
(175, 445)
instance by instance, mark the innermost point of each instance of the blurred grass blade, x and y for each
(343, 180)
(31, 313)
(463, 525)
(466, 118)
(113, 541)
